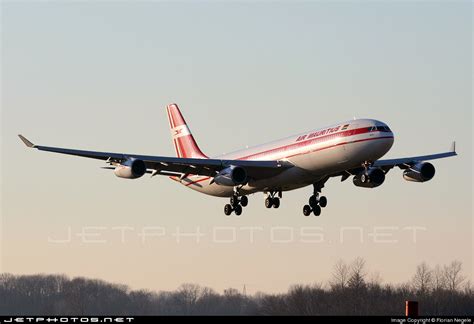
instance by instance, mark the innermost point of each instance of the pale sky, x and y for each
(98, 75)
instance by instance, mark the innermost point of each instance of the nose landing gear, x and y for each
(272, 200)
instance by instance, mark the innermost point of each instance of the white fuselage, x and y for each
(315, 155)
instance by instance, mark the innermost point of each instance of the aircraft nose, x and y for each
(385, 128)
(387, 134)
(390, 134)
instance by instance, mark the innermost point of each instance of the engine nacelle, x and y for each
(420, 172)
(374, 177)
(131, 169)
(231, 176)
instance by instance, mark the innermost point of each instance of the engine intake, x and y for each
(231, 176)
(131, 169)
(420, 172)
(374, 177)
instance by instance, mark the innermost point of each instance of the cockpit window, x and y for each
(379, 129)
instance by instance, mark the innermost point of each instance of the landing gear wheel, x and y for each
(323, 201)
(228, 209)
(316, 210)
(306, 210)
(238, 210)
(244, 201)
(313, 201)
(234, 200)
(268, 202)
(276, 202)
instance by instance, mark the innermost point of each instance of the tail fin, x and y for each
(183, 140)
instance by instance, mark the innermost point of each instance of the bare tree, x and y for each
(209, 302)
(375, 279)
(234, 301)
(453, 276)
(340, 275)
(60, 295)
(188, 295)
(298, 300)
(357, 274)
(423, 278)
(468, 288)
(231, 292)
(439, 279)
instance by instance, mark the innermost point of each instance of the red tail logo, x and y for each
(183, 140)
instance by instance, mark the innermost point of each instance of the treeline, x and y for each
(442, 290)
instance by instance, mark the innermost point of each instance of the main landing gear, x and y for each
(272, 200)
(236, 204)
(316, 202)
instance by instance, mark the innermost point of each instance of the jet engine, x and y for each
(371, 178)
(420, 172)
(131, 169)
(231, 176)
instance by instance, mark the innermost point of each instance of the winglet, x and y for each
(453, 147)
(27, 142)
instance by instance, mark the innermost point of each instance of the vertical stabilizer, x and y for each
(183, 140)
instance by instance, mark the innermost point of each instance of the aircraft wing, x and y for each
(402, 163)
(408, 161)
(174, 165)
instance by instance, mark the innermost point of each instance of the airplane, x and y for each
(348, 149)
